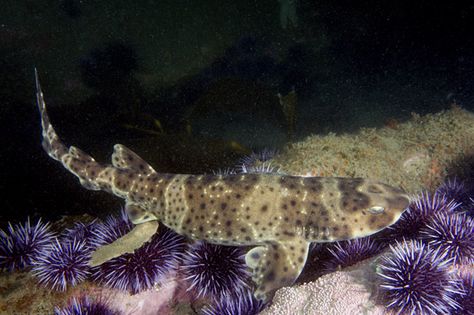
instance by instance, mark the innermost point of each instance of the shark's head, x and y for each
(371, 206)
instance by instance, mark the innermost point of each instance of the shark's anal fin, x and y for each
(134, 239)
(277, 264)
(83, 166)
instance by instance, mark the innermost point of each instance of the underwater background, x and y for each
(371, 89)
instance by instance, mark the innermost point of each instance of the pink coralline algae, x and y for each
(338, 293)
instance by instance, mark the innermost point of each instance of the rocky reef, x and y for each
(418, 154)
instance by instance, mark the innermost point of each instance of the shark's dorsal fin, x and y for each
(126, 159)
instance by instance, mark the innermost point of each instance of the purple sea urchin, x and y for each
(258, 157)
(85, 306)
(457, 190)
(214, 271)
(453, 234)
(113, 228)
(243, 305)
(62, 264)
(466, 300)
(258, 162)
(416, 279)
(348, 253)
(419, 212)
(81, 232)
(22, 243)
(146, 266)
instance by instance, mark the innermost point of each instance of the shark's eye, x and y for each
(376, 210)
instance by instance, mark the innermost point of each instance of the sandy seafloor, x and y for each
(415, 155)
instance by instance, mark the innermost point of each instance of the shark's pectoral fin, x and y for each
(276, 265)
(134, 239)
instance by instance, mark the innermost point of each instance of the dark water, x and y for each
(193, 85)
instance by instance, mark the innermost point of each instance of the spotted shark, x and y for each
(276, 216)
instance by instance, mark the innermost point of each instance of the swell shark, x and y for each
(279, 215)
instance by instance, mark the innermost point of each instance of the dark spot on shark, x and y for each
(270, 276)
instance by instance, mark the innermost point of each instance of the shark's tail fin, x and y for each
(73, 159)
(51, 142)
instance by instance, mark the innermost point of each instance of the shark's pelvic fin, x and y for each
(277, 264)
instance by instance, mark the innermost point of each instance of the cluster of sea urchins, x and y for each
(214, 272)
(435, 238)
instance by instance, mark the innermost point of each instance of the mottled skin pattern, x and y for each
(279, 215)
